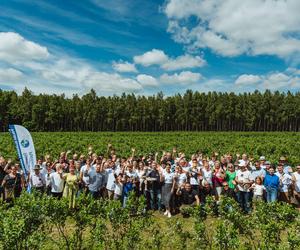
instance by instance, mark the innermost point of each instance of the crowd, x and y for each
(169, 183)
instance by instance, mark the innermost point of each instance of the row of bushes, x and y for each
(40, 222)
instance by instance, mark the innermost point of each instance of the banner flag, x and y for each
(25, 147)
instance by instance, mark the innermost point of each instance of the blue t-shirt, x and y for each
(128, 186)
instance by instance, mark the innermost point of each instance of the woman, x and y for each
(141, 178)
(167, 178)
(71, 186)
(218, 179)
(207, 173)
(12, 184)
(230, 176)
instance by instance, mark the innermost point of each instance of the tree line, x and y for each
(191, 111)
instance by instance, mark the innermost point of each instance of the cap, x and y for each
(262, 158)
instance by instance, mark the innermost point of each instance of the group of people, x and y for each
(168, 183)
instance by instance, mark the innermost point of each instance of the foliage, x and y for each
(192, 111)
(40, 222)
(271, 145)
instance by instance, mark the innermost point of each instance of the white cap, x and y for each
(262, 158)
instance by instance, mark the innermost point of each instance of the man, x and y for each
(37, 180)
(257, 172)
(56, 181)
(2, 175)
(285, 183)
(296, 186)
(262, 161)
(96, 181)
(243, 184)
(227, 192)
(286, 168)
(85, 179)
(189, 197)
(271, 183)
(153, 179)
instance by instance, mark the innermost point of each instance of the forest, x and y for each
(191, 111)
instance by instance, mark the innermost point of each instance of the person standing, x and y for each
(271, 183)
(37, 180)
(167, 188)
(285, 184)
(13, 183)
(96, 181)
(57, 182)
(71, 186)
(296, 186)
(154, 186)
(243, 185)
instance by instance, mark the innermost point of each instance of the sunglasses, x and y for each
(225, 185)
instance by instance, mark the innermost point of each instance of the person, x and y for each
(195, 175)
(96, 181)
(154, 186)
(84, 180)
(189, 197)
(37, 180)
(12, 183)
(118, 190)
(271, 183)
(71, 186)
(227, 191)
(285, 184)
(243, 186)
(127, 189)
(258, 189)
(167, 178)
(56, 181)
(287, 169)
(206, 172)
(206, 190)
(218, 179)
(230, 176)
(296, 186)
(257, 172)
(2, 175)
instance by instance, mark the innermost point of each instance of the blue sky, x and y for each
(144, 46)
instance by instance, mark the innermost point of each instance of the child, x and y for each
(258, 189)
(127, 188)
(118, 188)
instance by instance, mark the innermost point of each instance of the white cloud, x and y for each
(124, 67)
(183, 62)
(43, 72)
(15, 48)
(273, 80)
(153, 57)
(9, 75)
(234, 27)
(158, 57)
(183, 78)
(147, 80)
(243, 80)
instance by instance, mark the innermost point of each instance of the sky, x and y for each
(147, 46)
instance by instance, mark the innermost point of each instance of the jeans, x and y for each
(271, 194)
(244, 200)
(155, 195)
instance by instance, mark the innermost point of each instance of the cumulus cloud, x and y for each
(247, 80)
(124, 67)
(183, 78)
(272, 81)
(147, 80)
(158, 57)
(42, 71)
(234, 27)
(153, 57)
(15, 48)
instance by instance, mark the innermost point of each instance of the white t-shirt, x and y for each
(57, 183)
(110, 185)
(207, 175)
(286, 181)
(181, 179)
(168, 177)
(118, 188)
(258, 190)
(243, 176)
(83, 170)
(297, 183)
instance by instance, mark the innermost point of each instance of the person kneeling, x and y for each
(189, 199)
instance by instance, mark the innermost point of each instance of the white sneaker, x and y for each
(166, 213)
(169, 215)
